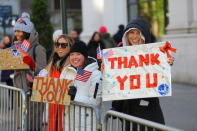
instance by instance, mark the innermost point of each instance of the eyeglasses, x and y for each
(63, 45)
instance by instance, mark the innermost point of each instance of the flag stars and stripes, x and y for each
(83, 75)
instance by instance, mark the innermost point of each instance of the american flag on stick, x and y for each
(83, 75)
(108, 53)
(99, 53)
(24, 46)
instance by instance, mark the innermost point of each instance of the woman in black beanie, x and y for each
(87, 82)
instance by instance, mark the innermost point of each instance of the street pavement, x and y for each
(180, 109)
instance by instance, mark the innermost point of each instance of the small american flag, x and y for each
(99, 53)
(108, 53)
(24, 46)
(83, 75)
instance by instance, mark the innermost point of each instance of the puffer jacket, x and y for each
(39, 57)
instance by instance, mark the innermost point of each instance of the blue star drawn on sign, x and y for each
(107, 75)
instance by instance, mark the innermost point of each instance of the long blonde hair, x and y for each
(55, 60)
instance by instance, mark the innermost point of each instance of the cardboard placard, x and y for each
(51, 90)
(136, 72)
(11, 59)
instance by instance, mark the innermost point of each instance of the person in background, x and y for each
(1, 45)
(56, 34)
(5, 74)
(74, 34)
(118, 36)
(93, 46)
(136, 33)
(106, 38)
(57, 63)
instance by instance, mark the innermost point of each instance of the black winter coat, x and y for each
(92, 48)
(152, 111)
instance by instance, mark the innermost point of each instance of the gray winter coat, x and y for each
(39, 58)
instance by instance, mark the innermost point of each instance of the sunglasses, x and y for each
(63, 45)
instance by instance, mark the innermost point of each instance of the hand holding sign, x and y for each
(165, 49)
(51, 90)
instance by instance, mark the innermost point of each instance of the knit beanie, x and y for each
(56, 34)
(80, 47)
(103, 29)
(24, 24)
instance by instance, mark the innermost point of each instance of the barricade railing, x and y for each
(12, 108)
(19, 113)
(116, 121)
(83, 117)
(52, 117)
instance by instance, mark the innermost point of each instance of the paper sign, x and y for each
(51, 90)
(136, 72)
(11, 59)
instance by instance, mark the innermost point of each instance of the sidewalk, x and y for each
(180, 109)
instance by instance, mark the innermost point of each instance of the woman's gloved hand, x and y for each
(72, 92)
(29, 61)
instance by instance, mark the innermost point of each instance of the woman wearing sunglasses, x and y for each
(54, 69)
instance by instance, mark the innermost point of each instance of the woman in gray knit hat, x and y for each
(36, 59)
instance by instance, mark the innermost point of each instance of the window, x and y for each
(154, 11)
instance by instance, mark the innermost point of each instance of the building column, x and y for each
(115, 13)
(194, 22)
(96, 13)
(178, 16)
(181, 32)
(92, 11)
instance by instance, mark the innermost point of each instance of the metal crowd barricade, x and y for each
(75, 117)
(12, 108)
(116, 121)
(19, 113)
(82, 117)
